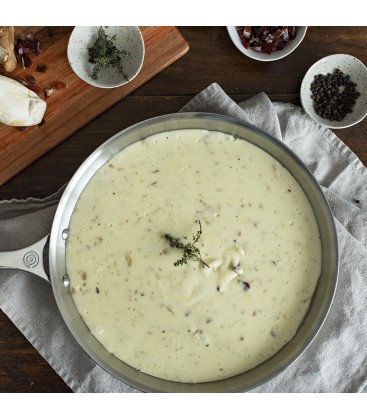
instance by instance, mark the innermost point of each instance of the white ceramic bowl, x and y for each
(275, 55)
(128, 38)
(349, 65)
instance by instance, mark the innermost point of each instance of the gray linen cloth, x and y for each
(336, 361)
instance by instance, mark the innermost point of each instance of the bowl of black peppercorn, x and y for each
(334, 91)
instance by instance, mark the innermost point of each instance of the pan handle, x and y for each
(28, 259)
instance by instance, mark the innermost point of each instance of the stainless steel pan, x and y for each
(30, 259)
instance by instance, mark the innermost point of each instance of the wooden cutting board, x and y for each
(71, 108)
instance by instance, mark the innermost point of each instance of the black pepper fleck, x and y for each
(244, 284)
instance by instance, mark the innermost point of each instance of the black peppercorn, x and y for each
(334, 95)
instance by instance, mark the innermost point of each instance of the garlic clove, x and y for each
(19, 106)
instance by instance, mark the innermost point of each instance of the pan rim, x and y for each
(99, 157)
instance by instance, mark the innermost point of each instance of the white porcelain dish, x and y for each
(275, 55)
(358, 74)
(128, 38)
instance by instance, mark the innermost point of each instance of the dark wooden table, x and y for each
(212, 58)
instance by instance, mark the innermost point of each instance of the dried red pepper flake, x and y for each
(31, 80)
(266, 39)
(30, 83)
(59, 85)
(26, 61)
(25, 46)
(33, 43)
(36, 89)
(41, 68)
(21, 46)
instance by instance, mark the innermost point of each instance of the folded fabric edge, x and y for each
(54, 196)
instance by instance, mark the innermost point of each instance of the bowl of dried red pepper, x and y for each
(267, 43)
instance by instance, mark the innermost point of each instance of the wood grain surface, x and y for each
(71, 108)
(212, 58)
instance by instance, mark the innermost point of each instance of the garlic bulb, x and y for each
(7, 54)
(19, 106)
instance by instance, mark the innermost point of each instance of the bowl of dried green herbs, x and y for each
(106, 56)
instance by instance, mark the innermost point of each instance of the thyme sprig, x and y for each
(190, 251)
(105, 54)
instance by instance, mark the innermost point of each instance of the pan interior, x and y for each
(320, 302)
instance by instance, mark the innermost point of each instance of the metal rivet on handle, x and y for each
(65, 234)
(66, 280)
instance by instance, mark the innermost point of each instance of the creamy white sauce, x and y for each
(192, 323)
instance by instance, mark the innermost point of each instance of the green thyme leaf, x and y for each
(190, 251)
(105, 54)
